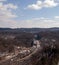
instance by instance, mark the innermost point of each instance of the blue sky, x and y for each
(29, 13)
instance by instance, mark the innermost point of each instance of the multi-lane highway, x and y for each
(15, 60)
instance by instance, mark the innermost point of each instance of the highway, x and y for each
(15, 60)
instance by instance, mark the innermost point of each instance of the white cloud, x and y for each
(38, 23)
(36, 6)
(33, 6)
(56, 17)
(8, 23)
(41, 4)
(6, 10)
(10, 5)
(50, 3)
(35, 22)
(7, 15)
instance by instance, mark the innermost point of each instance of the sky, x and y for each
(29, 13)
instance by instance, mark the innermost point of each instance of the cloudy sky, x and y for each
(29, 13)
